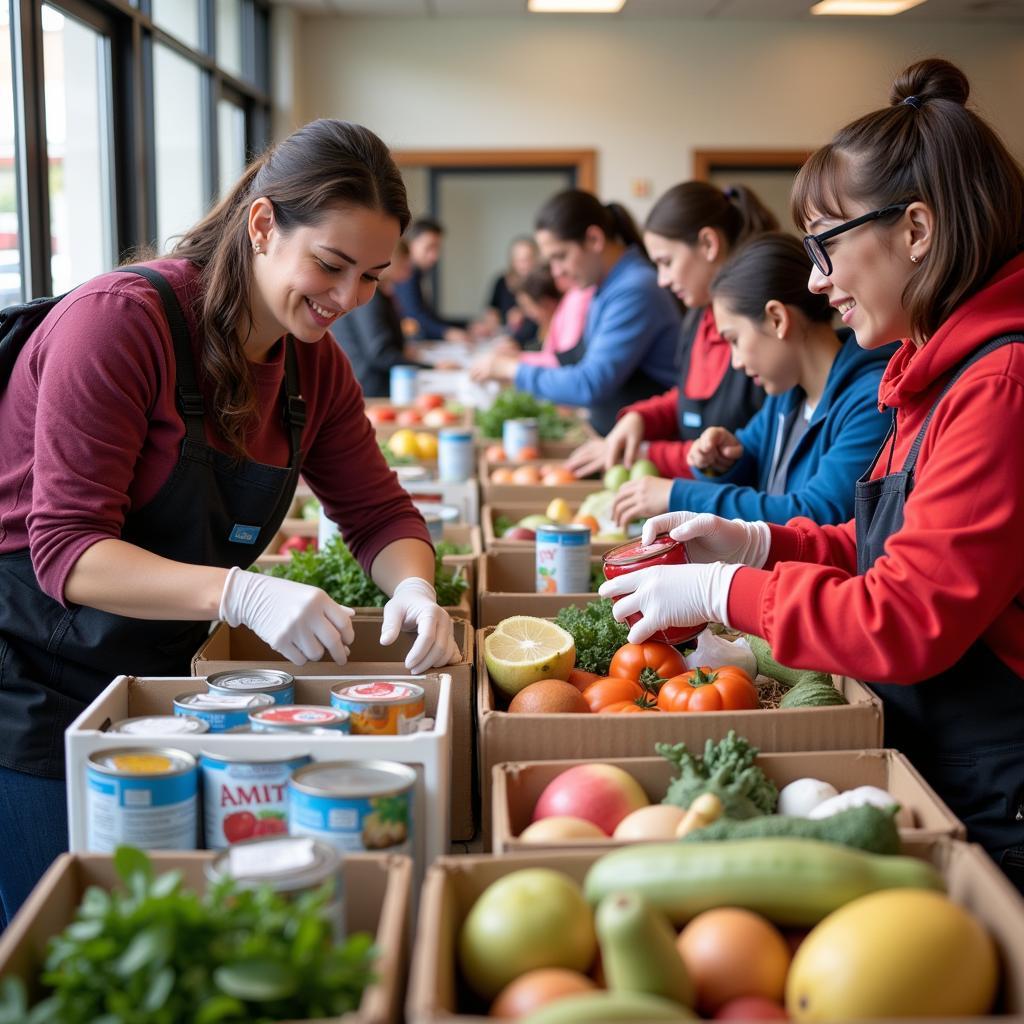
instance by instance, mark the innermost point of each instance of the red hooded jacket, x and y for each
(955, 572)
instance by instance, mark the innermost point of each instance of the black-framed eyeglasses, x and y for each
(814, 244)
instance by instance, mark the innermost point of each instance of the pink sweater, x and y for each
(90, 429)
(566, 328)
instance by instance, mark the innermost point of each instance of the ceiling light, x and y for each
(872, 7)
(575, 6)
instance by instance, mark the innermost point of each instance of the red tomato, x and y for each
(426, 402)
(647, 663)
(239, 825)
(380, 414)
(271, 825)
(408, 418)
(611, 690)
(728, 688)
(627, 707)
(581, 680)
(296, 544)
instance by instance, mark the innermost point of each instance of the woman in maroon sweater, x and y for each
(154, 428)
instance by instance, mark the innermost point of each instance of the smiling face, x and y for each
(307, 278)
(576, 262)
(757, 349)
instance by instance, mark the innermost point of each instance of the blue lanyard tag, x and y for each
(691, 419)
(242, 534)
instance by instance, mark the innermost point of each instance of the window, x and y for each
(180, 18)
(229, 36)
(10, 254)
(231, 142)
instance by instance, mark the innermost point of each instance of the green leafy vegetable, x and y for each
(515, 405)
(157, 953)
(443, 548)
(596, 576)
(727, 769)
(598, 636)
(502, 524)
(335, 571)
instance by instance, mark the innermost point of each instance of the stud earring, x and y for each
(915, 259)
(256, 247)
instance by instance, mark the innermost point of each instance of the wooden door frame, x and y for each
(582, 161)
(708, 161)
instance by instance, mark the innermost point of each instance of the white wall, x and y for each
(643, 93)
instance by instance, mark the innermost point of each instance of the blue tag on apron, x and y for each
(241, 534)
(691, 419)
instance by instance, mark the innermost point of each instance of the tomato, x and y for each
(494, 453)
(647, 663)
(628, 707)
(581, 680)
(728, 688)
(611, 690)
(296, 544)
(239, 825)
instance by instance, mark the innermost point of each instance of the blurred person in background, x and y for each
(424, 238)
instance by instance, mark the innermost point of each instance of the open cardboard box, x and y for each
(233, 648)
(505, 586)
(384, 429)
(515, 512)
(516, 787)
(377, 895)
(437, 994)
(520, 737)
(498, 493)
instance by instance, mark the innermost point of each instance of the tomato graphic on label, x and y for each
(240, 825)
(270, 823)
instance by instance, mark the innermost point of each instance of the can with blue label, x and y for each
(455, 455)
(280, 685)
(354, 805)
(141, 796)
(519, 434)
(221, 711)
(403, 385)
(563, 559)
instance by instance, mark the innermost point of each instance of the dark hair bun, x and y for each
(932, 79)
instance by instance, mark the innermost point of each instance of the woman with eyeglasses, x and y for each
(916, 214)
(802, 452)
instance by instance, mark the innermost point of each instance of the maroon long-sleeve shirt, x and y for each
(89, 429)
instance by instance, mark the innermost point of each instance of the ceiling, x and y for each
(932, 10)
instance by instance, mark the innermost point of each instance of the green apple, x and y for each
(531, 522)
(615, 477)
(643, 467)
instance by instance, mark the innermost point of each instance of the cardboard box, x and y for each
(228, 648)
(436, 995)
(498, 494)
(517, 786)
(377, 897)
(505, 737)
(505, 586)
(515, 512)
(463, 420)
(428, 752)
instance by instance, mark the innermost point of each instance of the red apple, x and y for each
(439, 418)
(751, 1008)
(408, 418)
(429, 401)
(599, 793)
(380, 414)
(296, 544)
(519, 533)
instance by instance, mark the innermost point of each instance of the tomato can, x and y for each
(161, 725)
(280, 685)
(402, 381)
(517, 435)
(563, 559)
(141, 796)
(354, 805)
(299, 718)
(455, 455)
(380, 707)
(245, 796)
(221, 712)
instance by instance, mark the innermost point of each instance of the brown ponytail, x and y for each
(568, 214)
(325, 165)
(926, 146)
(686, 208)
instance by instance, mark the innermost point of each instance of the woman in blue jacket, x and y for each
(816, 433)
(628, 350)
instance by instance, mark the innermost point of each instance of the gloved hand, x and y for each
(297, 620)
(414, 606)
(671, 595)
(711, 538)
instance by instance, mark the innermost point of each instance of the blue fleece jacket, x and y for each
(632, 324)
(845, 431)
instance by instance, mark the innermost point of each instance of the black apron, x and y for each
(213, 510)
(964, 728)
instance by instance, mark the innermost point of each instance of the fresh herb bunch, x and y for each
(727, 769)
(516, 405)
(158, 953)
(335, 571)
(502, 524)
(596, 576)
(598, 636)
(449, 547)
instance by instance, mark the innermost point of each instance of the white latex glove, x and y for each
(414, 606)
(671, 595)
(297, 620)
(713, 539)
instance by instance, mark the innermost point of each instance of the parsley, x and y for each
(516, 405)
(598, 636)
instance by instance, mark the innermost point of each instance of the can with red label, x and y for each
(299, 718)
(380, 707)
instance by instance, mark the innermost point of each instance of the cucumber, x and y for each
(768, 666)
(790, 881)
(638, 949)
(812, 693)
(597, 1007)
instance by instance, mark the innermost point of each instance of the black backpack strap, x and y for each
(293, 405)
(18, 324)
(189, 397)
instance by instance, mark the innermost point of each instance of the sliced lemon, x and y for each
(523, 649)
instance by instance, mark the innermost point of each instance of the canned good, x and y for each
(354, 805)
(563, 559)
(411, 474)
(517, 435)
(455, 455)
(299, 718)
(141, 796)
(280, 685)
(245, 795)
(161, 725)
(437, 516)
(402, 380)
(380, 708)
(221, 712)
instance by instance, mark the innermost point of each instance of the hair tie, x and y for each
(913, 101)
(731, 193)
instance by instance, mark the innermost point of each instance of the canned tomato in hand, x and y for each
(663, 550)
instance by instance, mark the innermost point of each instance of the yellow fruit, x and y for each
(426, 445)
(403, 444)
(895, 953)
(558, 511)
(522, 650)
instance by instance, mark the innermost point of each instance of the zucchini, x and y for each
(790, 881)
(597, 1007)
(812, 693)
(768, 666)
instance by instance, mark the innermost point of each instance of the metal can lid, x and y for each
(252, 680)
(161, 725)
(455, 434)
(531, 420)
(410, 474)
(565, 529)
(353, 778)
(287, 863)
(378, 691)
(142, 761)
(635, 551)
(192, 702)
(301, 715)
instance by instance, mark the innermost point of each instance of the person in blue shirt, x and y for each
(629, 346)
(424, 240)
(820, 426)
